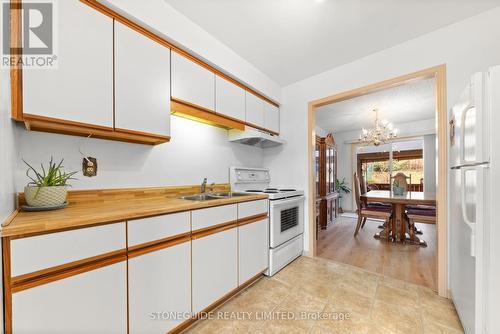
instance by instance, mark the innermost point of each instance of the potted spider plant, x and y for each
(342, 187)
(48, 186)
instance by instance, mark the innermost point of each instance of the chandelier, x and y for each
(380, 134)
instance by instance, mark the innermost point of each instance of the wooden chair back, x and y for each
(403, 180)
(357, 191)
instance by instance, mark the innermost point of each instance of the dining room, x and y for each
(380, 151)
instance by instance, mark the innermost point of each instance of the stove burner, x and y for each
(253, 191)
(270, 191)
(287, 190)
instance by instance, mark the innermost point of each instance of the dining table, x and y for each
(396, 229)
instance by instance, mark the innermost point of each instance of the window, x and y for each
(376, 166)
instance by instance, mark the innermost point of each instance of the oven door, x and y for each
(286, 219)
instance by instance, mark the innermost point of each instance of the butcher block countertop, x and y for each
(97, 207)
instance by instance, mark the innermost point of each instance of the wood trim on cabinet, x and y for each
(44, 276)
(152, 246)
(203, 232)
(7, 293)
(16, 72)
(56, 125)
(194, 112)
(155, 37)
(143, 134)
(261, 128)
(252, 219)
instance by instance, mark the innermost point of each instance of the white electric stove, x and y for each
(286, 214)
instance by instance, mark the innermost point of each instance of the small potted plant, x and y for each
(48, 186)
(397, 189)
(342, 187)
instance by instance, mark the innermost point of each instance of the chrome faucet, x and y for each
(204, 186)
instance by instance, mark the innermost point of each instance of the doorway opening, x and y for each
(378, 164)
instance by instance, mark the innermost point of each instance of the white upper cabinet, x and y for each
(192, 83)
(142, 83)
(229, 99)
(254, 110)
(80, 89)
(271, 117)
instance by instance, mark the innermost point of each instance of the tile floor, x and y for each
(349, 299)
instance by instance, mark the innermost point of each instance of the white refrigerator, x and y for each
(474, 228)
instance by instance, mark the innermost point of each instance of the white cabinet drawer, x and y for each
(155, 228)
(208, 217)
(215, 267)
(192, 82)
(91, 302)
(248, 209)
(253, 252)
(49, 250)
(229, 99)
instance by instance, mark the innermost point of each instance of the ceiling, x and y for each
(290, 40)
(408, 102)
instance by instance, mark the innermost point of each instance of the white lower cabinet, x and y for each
(215, 267)
(253, 249)
(92, 302)
(159, 289)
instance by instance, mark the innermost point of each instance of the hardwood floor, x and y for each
(409, 263)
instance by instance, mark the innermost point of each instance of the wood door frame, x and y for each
(439, 73)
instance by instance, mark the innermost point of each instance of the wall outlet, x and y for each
(89, 166)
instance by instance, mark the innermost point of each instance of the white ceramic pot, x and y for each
(45, 196)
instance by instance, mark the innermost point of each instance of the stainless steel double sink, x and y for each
(212, 196)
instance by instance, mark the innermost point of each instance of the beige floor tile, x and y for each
(270, 289)
(284, 327)
(351, 301)
(352, 326)
(397, 318)
(441, 314)
(395, 283)
(397, 296)
(346, 297)
(433, 328)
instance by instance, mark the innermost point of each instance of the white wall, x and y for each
(196, 150)
(465, 47)
(430, 163)
(178, 29)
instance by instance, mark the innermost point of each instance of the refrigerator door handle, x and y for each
(463, 193)
(463, 118)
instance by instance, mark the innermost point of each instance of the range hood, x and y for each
(254, 137)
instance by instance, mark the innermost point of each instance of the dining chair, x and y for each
(366, 211)
(419, 213)
(403, 180)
